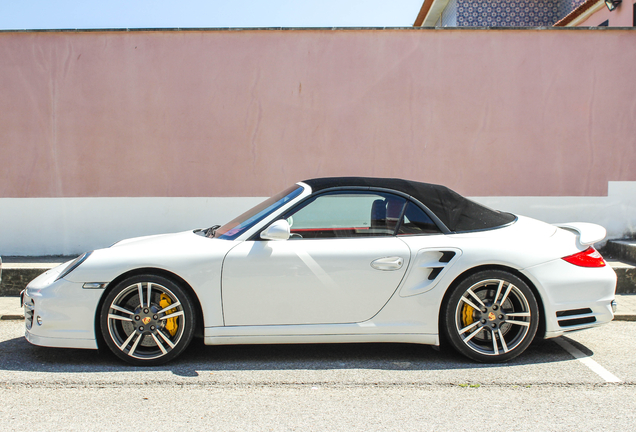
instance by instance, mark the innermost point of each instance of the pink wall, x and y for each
(622, 16)
(245, 113)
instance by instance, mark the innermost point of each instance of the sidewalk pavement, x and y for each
(625, 311)
(10, 309)
(626, 307)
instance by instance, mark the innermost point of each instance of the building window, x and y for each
(604, 24)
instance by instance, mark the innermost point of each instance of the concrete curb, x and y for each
(622, 249)
(11, 317)
(624, 318)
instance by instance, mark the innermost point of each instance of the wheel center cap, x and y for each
(147, 319)
(491, 316)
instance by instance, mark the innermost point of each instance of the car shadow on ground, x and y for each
(19, 355)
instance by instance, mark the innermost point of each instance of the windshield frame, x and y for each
(244, 223)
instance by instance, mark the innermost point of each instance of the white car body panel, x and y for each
(343, 333)
(322, 293)
(323, 281)
(594, 289)
(195, 259)
(66, 309)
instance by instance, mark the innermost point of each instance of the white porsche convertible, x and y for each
(333, 260)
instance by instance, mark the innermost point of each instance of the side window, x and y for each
(347, 214)
(416, 222)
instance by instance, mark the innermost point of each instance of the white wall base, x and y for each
(69, 226)
(616, 212)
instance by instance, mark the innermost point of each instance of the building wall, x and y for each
(622, 16)
(104, 134)
(506, 13)
(567, 6)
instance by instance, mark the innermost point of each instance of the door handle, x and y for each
(389, 263)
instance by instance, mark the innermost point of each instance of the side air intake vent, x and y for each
(447, 256)
(575, 317)
(429, 267)
(573, 312)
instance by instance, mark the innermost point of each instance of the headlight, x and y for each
(74, 264)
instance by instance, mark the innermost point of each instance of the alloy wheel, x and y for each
(492, 316)
(147, 321)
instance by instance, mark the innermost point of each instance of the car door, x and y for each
(341, 264)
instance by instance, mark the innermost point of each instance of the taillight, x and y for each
(588, 258)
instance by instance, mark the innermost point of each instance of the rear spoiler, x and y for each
(588, 233)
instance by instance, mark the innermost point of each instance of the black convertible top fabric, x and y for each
(456, 212)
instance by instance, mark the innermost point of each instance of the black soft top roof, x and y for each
(456, 212)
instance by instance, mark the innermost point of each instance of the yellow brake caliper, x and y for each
(171, 323)
(467, 315)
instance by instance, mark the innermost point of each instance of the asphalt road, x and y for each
(324, 387)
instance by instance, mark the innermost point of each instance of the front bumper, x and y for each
(59, 313)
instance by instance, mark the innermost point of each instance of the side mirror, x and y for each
(279, 230)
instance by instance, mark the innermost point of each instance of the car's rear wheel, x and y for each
(491, 316)
(147, 320)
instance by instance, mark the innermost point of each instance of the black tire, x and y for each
(147, 332)
(491, 316)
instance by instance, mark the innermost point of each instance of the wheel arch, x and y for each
(198, 330)
(466, 274)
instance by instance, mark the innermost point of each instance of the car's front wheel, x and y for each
(147, 320)
(491, 316)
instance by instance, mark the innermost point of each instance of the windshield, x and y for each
(234, 228)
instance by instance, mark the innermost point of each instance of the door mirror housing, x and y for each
(279, 230)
